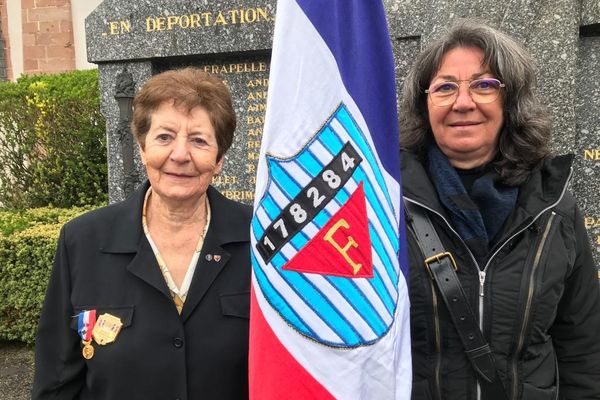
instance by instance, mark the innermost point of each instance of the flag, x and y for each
(329, 305)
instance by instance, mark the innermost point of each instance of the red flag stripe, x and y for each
(274, 373)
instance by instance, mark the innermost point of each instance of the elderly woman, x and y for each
(149, 298)
(504, 293)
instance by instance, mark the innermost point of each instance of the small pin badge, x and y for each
(217, 257)
(209, 257)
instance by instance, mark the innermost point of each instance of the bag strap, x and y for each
(442, 270)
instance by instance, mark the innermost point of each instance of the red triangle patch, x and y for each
(342, 247)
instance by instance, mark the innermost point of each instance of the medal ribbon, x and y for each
(85, 323)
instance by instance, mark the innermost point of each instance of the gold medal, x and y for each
(88, 349)
(106, 329)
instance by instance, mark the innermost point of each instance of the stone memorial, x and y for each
(132, 40)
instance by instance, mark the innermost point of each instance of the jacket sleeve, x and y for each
(577, 324)
(59, 365)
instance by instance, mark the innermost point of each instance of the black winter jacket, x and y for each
(537, 298)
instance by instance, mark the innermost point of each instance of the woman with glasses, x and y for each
(504, 291)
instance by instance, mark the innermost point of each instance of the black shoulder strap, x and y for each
(442, 269)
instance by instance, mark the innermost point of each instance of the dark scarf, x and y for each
(477, 214)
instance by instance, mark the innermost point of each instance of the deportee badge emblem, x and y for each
(325, 219)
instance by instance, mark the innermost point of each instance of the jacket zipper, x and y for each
(530, 292)
(482, 273)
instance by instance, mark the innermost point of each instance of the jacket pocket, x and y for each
(124, 313)
(531, 392)
(236, 305)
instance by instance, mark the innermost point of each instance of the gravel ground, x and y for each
(16, 371)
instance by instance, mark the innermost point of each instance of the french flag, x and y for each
(329, 309)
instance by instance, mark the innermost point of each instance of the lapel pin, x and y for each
(209, 257)
(217, 257)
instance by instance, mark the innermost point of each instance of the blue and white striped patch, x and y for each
(332, 310)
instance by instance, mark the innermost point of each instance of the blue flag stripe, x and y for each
(369, 38)
(284, 181)
(328, 134)
(361, 304)
(365, 313)
(385, 292)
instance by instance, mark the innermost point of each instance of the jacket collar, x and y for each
(126, 226)
(228, 225)
(416, 184)
(544, 188)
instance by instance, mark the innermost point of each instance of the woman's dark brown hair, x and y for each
(187, 88)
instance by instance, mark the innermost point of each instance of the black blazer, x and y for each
(104, 262)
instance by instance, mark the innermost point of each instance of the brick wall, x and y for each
(5, 65)
(47, 36)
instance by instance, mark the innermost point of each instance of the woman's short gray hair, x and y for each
(525, 135)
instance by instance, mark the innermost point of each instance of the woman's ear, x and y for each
(219, 166)
(142, 152)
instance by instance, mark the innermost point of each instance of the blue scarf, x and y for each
(477, 215)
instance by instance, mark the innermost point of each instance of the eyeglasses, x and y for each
(482, 91)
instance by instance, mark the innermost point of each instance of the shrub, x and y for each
(27, 245)
(18, 220)
(52, 141)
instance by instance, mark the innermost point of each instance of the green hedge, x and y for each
(27, 245)
(52, 141)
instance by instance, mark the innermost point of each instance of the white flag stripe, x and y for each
(378, 304)
(322, 154)
(278, 196)
(331, 208)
